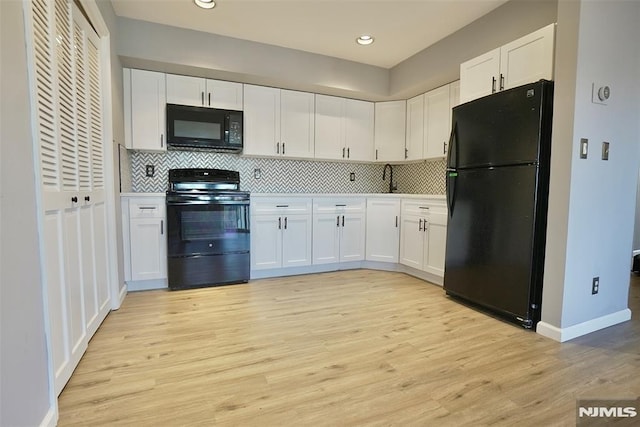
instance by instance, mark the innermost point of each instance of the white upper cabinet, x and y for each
(437, 119)
(144, 110)
(525, 60)
(415, 128)
(343, 128)
(200, 92)
(390, 127)
(278, 122)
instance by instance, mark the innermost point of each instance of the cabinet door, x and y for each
(412, 241)
(329, 127)
(266, 242)
(479, 76)
(148, 103)
(186, 90)
(148, 249)
(296, 124)
(352, 237)
(358, 129)
(528, 59)
(326, 238)
(225, 95)
(390, 124)
(383, 230)
(415, 128)
(261, 120)
(296, 241)
(435, 243)
(437, 122)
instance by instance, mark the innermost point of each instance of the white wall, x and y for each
(117, 95)
(591, 212)
(24, 382)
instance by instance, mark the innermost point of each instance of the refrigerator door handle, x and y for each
(452, 154)
(452, 175)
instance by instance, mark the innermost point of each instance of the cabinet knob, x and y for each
(87, 198)
(74, 199)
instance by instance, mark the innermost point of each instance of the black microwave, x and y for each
(200, 127)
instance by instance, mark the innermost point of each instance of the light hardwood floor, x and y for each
(346, 348)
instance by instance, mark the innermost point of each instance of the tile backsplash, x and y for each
(286, 176)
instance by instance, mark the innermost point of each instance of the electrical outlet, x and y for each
(257, 173)
(595, 285)
(352, 176)
(150, 170)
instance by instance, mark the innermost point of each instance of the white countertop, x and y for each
(370, 195)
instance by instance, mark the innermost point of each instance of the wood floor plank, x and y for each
(355, 347)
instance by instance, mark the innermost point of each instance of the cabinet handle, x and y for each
(161, 140)
(493, 85)
(341, 205)
(278, 148)
(280, 223)
(202, 97)
(406, 153)
(423, 207)
(347, 152)
(283, 148)
(74, 199)
(87, 198)
(282, 206)
(144, 208)
(376, 154)
(343, 220)
(501, 82)
(285, 222)
(343, 152)
(396, 221)
(420, 225)
(209, 99)
(444, 147)
(162, 226)
(425, 226)
(338, 221)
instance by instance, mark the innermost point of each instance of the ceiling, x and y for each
(401, 28)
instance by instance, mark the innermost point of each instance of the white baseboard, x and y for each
(584, 328)
(51, 419)
(147, 285)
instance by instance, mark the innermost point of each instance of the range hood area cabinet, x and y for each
(145, 100)
(344, 129)
(429, 122)
(525, 60)
(201, 92)
(278, 122)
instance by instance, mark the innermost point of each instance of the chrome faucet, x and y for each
(384, 175)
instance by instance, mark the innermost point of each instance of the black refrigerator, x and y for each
(497, 195)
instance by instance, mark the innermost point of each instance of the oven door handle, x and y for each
(208, 202)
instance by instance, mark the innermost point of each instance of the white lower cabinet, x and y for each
(280, 233)
(383, 230)
(423, 235)
(338, 230)
(145, 239)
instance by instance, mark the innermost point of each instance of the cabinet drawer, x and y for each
(280, 206)
(339, 205)
(147, 208)
(423, 207)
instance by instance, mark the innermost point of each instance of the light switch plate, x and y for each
(584, 148)
(605, 150)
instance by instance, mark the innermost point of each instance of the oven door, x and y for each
(207, 242)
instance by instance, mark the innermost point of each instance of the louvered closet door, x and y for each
(68, 103)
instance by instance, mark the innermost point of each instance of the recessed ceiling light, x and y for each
(205, 4)
(364, 40)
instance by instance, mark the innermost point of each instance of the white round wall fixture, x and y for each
(364, 40)
(205, 4)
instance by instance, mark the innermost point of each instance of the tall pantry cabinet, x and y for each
(67, 101)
